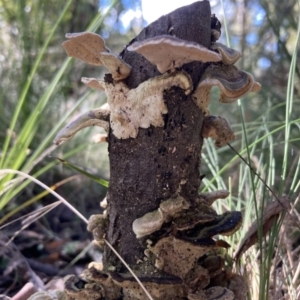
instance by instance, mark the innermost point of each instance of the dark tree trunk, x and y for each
(156, 219)
(149, 169)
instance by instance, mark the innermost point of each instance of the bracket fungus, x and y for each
(77, 288)
(91, 48)
(195, 223)
(142, 106)
(94, 276)
(217, 128)
(86, 46)
(129, 110)
(153, 221)
(210, 197)
(116, 66)
(229, 55)
(98, 225)
(219, 292)
(167, 52)
(233, 84)
(97, 117)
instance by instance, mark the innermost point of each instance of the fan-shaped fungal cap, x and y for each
(169, 52)
(211, 197)
(213, 263)
(174, 205)
(225, 224)
(91, 48)
(217, 128)
(96, 117)
(232, 82)
(116, 66)
(148, 223)
(190, 219)
(256, 87)
(229, 56)
(86, 46)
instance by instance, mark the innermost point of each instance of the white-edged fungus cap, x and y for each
(232, 82)
(229, 56)
(86, 46)
(169, 52)
(144, 105)
(91, 48)
(117, 67)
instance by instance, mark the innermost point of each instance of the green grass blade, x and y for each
(28, 83)
(20, 186)
(289, 104)
(93, 177)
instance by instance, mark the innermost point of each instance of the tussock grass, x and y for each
(269, 147)
(17, 153)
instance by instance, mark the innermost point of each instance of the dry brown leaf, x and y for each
(271, 214)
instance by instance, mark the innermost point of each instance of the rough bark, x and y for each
(155, 176)
(149, 169)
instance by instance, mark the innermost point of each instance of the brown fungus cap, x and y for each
(117, 67)
(91, 48)
(229, 56)
(256, 87)
(218, 128)
(225, 224)
(86, 46)
(148, 223)
(191, 218)
(232, 82)
(210, 197)
(169, 52)
(154, 220)
(97, 117)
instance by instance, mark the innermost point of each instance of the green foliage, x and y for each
(32, 78)
(267, 137)
(79, 170)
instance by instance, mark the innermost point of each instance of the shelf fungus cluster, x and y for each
(130, 109)
(180, 248)
(180, 242)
